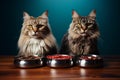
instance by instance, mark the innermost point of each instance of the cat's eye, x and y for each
(30, 26)
(91, 27)
(88, 24)
(77, 26)
(39, 26)
(90, 21)
(83, 21)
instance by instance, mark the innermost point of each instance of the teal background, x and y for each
(108, 17)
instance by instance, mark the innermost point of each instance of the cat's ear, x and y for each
(26, 16)
(75, 14)
(93, 14)
(45, 14)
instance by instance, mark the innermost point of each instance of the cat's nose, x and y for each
(35, 29)
(82, 31)
(83, 27)
(36, 33)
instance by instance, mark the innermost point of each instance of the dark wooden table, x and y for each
(111, 71)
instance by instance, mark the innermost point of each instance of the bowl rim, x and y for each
(97, 57)
(25, 59)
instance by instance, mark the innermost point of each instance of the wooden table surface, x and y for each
(110, 71)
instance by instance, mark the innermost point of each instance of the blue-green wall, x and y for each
(108, 17)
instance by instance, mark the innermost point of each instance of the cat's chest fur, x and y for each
(36, 46)
(79, 46)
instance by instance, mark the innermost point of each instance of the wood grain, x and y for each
(110, 71)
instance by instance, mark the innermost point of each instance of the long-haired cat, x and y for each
(81, 38)
(36, 37)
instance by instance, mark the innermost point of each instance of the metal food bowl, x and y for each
(89, 61)
(59, 61)
(28, 62)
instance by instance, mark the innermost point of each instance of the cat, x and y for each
(82, 35)
(36, 38)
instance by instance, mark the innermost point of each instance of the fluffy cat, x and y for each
(81, 38)
(36, 37)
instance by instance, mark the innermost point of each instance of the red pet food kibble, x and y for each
(59, 57)
(90, 57)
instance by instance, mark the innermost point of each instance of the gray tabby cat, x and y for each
(81, 38)
(36, 38)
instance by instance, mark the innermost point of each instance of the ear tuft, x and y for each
(93, 13)
(26, 15)
(45, 14)
(74, 14)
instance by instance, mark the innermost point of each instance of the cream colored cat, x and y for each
(36, 37)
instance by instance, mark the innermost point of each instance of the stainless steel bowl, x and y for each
(29, 63)
(59, 62)
(89, 61)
